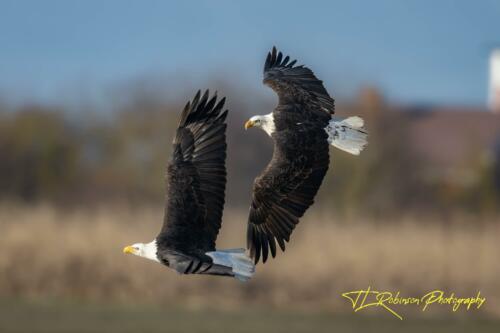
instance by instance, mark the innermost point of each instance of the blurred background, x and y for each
(90, 95)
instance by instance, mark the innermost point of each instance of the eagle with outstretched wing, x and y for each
(196, 182)
(302, 129)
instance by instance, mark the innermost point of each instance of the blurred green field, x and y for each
(22, 316)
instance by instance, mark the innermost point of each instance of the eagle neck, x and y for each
(268, 125)
(150, 251)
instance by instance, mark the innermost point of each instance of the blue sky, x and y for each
(416, 51)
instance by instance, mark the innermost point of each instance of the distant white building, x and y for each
(494, 96)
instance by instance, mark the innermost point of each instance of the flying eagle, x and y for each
(196, 180)
(302, 129)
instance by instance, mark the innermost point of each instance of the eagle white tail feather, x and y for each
(356, 122)
(347, 134)
(241, 265)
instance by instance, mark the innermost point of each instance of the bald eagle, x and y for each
(302, 129)
(196, 180)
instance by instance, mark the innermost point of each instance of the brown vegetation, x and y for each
(49, 253)
(52, 154)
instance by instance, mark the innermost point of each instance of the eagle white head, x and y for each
(147, 250)
(266, 122)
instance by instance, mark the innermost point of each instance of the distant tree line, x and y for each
(52, 154)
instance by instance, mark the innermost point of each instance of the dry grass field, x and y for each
(65, 317)
(50, 254)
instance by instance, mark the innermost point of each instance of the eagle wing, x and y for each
(286, 188)
(196, 178)
(296, 83)
(288, 185)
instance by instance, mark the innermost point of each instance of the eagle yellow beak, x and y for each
(249, 124)
(129, 249)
